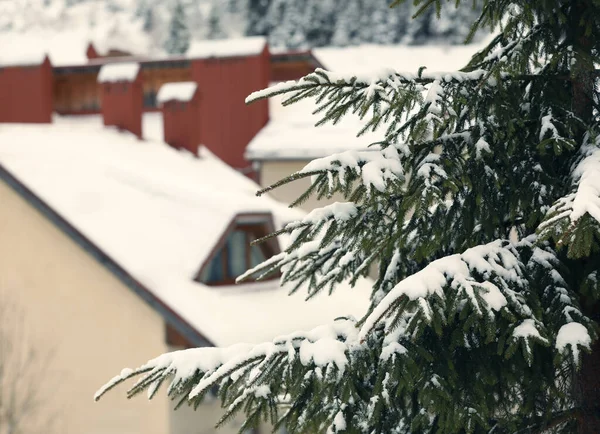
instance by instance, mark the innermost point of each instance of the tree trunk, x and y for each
(586, 387)
(588, 392)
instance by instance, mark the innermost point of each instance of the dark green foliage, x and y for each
(480, 210)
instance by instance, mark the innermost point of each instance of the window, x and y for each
(235, 255)
(150, 98)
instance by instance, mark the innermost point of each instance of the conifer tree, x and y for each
(178, 38)
(481, 207)
(215, 25)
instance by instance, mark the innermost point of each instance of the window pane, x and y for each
(237, 246)
(213, 272)
(257, 255)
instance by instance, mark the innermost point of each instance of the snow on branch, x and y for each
(193, 372)
(567, 220)
(486, 280)
(375, 82)
(495, 261)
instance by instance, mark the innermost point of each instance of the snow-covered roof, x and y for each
(368, 58)
(236, 47)
(158, 212)
(113, 72)
(183, 91)
(290, 133)
(21, 58)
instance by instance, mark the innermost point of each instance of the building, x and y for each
(180, 108)
(121, 93)
(27, 84)
(121, 249)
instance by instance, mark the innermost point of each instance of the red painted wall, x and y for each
(26, 93)
(227, 124)
(181, 124)
(122, 105)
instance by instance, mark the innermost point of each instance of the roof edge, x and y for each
(105, 260)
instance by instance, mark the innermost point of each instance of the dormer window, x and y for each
(234, 254)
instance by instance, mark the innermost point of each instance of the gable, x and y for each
(234, 253)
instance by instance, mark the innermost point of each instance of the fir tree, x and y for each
(215, 25)
(256, 24)
(178, 38)
(481, 208)
(148, 17)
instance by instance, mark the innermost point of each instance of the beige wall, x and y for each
(86, 326)
(273, 171)
(90, 324)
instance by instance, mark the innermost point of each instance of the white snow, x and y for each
(31, 27)
(587, 197)
(574, 335)
(183, 91)
(158, 212)
(454, 271)
(236, 47)
(21, 57)
(526, 330)
(114, 72)
(367, 59)
(290, 133)
(323, 346)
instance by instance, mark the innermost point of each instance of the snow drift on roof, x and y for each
(291, 134)
(21, 57)
(183, 91)
(158, 212)
(127, 71)
(367, 58)
(250, 46)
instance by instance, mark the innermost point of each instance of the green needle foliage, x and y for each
(480, 209)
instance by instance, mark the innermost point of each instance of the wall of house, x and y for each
(227, 124)
(122, 104)
(154, 77)
(29, 90)
(76, 93)
(85, 319)
(186, 420)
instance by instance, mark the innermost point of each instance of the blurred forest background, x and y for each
(169, 25)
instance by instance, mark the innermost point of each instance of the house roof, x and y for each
(22, 58)
(157, 213)
(290, 133)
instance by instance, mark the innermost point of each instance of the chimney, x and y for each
(91, 52)
(227, 72)
(121, 96)
(26, 89)
(180, 104)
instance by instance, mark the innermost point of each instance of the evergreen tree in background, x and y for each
(148, 18)
(178, 38)
(257, 17)
(481, 209)
(215, 25)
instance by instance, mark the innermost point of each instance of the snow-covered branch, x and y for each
(569, 219)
